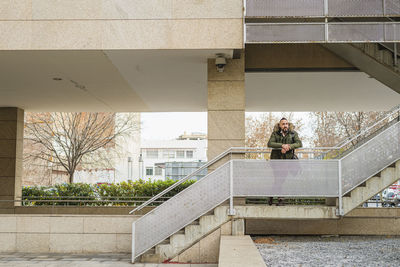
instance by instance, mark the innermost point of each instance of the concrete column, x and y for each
(226, 107)
(11, 143)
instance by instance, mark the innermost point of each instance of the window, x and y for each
(157, 171)
(169, 154)
(189, 154)
(180, 154)
(149, 170)
(152, 153)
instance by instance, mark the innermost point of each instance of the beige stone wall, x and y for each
(11, 146)
(121, 24)
(226, 107)
(66, 233)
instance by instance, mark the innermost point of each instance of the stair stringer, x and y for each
(366, 58)
(373, 186)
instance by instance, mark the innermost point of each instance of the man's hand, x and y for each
(286, 147)
(283, 151)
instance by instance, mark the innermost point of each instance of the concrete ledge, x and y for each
(344, 226)
(285, 212)
(238, 251)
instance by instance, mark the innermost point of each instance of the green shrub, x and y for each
(120, 194)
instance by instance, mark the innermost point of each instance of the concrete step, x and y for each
(191, 234)
(239, 251)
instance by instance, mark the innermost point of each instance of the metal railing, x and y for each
(322, 32)
(315, 152)
(259, 178)
(321, 8)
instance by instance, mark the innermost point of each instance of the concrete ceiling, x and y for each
(169, 80)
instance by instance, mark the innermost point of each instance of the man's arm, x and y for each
(297, 142)
(272, 142)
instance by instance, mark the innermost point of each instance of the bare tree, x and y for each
(332, 127)
(71, 139)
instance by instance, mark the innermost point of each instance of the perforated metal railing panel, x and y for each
(279, 33)
(317, 32)
(284, 8)
(182, 209)
(370, 158)
(312, 178)
(346, 8)
(316, 8)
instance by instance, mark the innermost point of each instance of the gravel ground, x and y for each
(329, 251)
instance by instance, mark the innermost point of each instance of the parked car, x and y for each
(391, 200)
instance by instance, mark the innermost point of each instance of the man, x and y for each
(284, 140)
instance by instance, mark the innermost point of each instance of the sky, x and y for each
(170, 125)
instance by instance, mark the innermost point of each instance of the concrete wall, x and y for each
(66, 233)
(11, 147)
(120, 24)
(361, 221)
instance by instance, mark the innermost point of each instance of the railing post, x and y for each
(231, 211)
(340, 204)
(326, 13)
(133, 242)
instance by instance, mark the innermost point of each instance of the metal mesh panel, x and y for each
(370, 158)
(182, 209)
(276, 33)
(359, 8)
(392, 7)
(284, 8)
(344, 32)
(392, 32)
(286, 178)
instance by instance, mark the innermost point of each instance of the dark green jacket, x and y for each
(277, 139)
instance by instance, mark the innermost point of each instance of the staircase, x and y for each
(371, 187)
(187, 236)
(372, 58)
(178, 224)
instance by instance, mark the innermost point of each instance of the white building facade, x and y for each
(154, 155)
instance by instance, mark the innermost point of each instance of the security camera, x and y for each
(220, 62)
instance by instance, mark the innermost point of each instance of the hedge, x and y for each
(119, 194)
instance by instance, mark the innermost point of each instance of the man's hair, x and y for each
(283, 119)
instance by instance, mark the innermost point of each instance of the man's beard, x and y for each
(285, 130)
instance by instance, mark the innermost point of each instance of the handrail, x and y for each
(362, 131)
(223, 154)
(236, 150)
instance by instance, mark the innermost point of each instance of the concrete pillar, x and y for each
(226, 107)
(11, 143)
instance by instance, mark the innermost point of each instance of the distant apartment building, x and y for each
(173, 159)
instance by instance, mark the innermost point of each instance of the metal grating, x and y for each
(316, 8)
(280, 33)
(182, 209)
(371, 158)
(392, 32)
(284, 8)
(312, 178)
(355, 8)
(348, 32)
(392, 7)
(315, 32)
